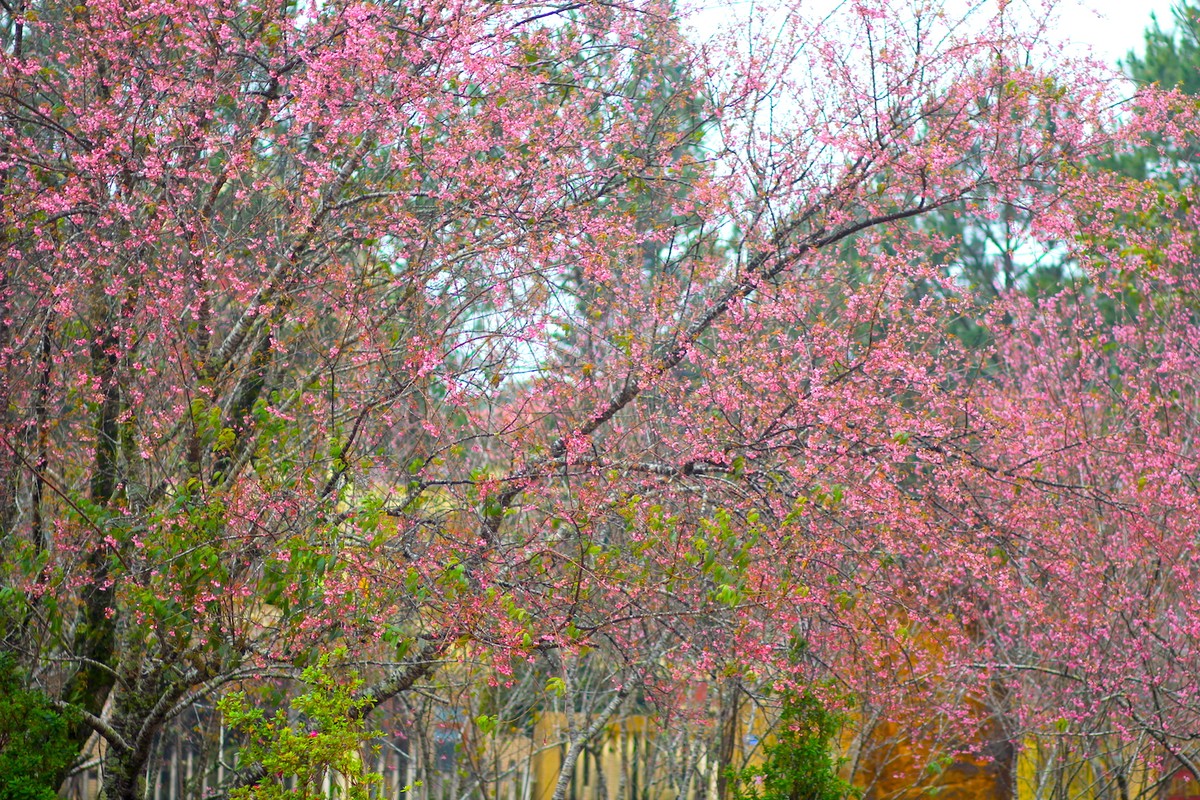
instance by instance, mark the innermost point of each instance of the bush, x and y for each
(799, 764)
(35, 743)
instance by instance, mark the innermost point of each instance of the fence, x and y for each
(434, 766)
(632, 760)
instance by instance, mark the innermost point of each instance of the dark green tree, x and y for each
(1172, 56)
(1171, 60)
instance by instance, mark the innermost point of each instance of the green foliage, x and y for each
(1172, 57)
(1172, 61)
(1169, 165)
(323, 734)
(799, 765)
(35, 744)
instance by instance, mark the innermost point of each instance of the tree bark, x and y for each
(578, 741)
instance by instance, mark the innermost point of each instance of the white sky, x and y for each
(1112, 27)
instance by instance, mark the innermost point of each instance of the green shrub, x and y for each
(35, 743)
(323, 734)
(799, 764)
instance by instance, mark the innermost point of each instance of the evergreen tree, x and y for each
(1171, 60)
(1172, 57)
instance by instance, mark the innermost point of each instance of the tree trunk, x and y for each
(580, 740)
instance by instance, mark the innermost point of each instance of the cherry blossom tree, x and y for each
(495, 332)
